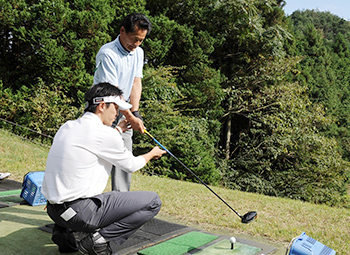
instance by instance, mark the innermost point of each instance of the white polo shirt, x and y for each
(81, 157)
(118, 66)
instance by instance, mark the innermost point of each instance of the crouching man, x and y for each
(77, 171)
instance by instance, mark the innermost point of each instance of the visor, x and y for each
(113, 99)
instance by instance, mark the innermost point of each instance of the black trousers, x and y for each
(116, 215)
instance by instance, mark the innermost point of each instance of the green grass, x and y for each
(279, 219)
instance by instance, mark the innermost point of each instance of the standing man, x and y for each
(77, 170)
(120, 63)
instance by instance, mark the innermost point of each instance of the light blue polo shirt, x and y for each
(118, 66)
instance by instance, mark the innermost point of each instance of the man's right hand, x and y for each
(156, 153)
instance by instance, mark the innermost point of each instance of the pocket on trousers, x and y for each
(84, 220)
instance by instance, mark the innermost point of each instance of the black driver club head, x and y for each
(249, 217)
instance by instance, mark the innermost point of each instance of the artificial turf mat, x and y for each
(19, 233)
(10, 198)
(180, 245)
(224, 248)
(10, 193)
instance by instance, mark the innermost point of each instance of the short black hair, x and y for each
(103, 89)
(136, 20)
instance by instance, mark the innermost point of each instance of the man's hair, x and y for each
(104, 89)
(136, 20)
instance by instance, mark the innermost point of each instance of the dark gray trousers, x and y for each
(116, 215)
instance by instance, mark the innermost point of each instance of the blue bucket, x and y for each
(305, 245)
(31, 188)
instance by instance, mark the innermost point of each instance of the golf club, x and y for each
(246, 218)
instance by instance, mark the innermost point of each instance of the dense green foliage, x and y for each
(243, 95)
(324, 41)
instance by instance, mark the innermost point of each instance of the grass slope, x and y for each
(279, 219)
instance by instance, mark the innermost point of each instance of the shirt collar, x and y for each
(91, 115)
(121, 49)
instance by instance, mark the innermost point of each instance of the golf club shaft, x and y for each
(155, 140)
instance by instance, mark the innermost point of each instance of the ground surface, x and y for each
(25, 229)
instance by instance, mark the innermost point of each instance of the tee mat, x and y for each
(199, 243)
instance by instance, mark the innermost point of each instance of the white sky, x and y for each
(340, 8)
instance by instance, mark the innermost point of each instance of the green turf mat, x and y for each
(11, 200)
(224, 248)
(20, 234)
(180, 245)
(10, 192)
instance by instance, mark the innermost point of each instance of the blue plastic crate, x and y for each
(305, 245)
(31, 189)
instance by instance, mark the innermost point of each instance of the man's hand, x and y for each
(123, 125)
(134, 122)
(155, 153)
(137, 115)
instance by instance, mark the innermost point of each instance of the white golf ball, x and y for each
(232, 240)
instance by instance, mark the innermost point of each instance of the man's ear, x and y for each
(122, 30)
(101, 107)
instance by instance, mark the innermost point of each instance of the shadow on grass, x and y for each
(20, 233)
(24, 215)
(28, 241)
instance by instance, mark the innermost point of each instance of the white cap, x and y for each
(113, 99)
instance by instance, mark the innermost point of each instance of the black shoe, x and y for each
(64, 239)
(89, 246)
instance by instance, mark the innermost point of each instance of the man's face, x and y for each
(132, 40)
(109, 114)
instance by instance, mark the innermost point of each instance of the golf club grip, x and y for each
(155, 140)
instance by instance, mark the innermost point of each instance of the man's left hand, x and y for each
(137, 115)
(136, 124)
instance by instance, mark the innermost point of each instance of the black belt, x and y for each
(66, 204)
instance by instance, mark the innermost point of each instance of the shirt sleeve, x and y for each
(139, 65)
(106, 70)
(113, 151)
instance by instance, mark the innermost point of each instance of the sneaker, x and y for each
(88, 245)
(4, 175)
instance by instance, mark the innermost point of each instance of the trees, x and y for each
(324, 40)
(265, 132)
(250, 34)
(234, 88)
(51, 40)
(52, 45)
(188, 137)
(280, 151)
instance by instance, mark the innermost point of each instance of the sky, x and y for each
(340, 8)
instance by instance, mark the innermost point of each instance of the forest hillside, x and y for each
(247, 97)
